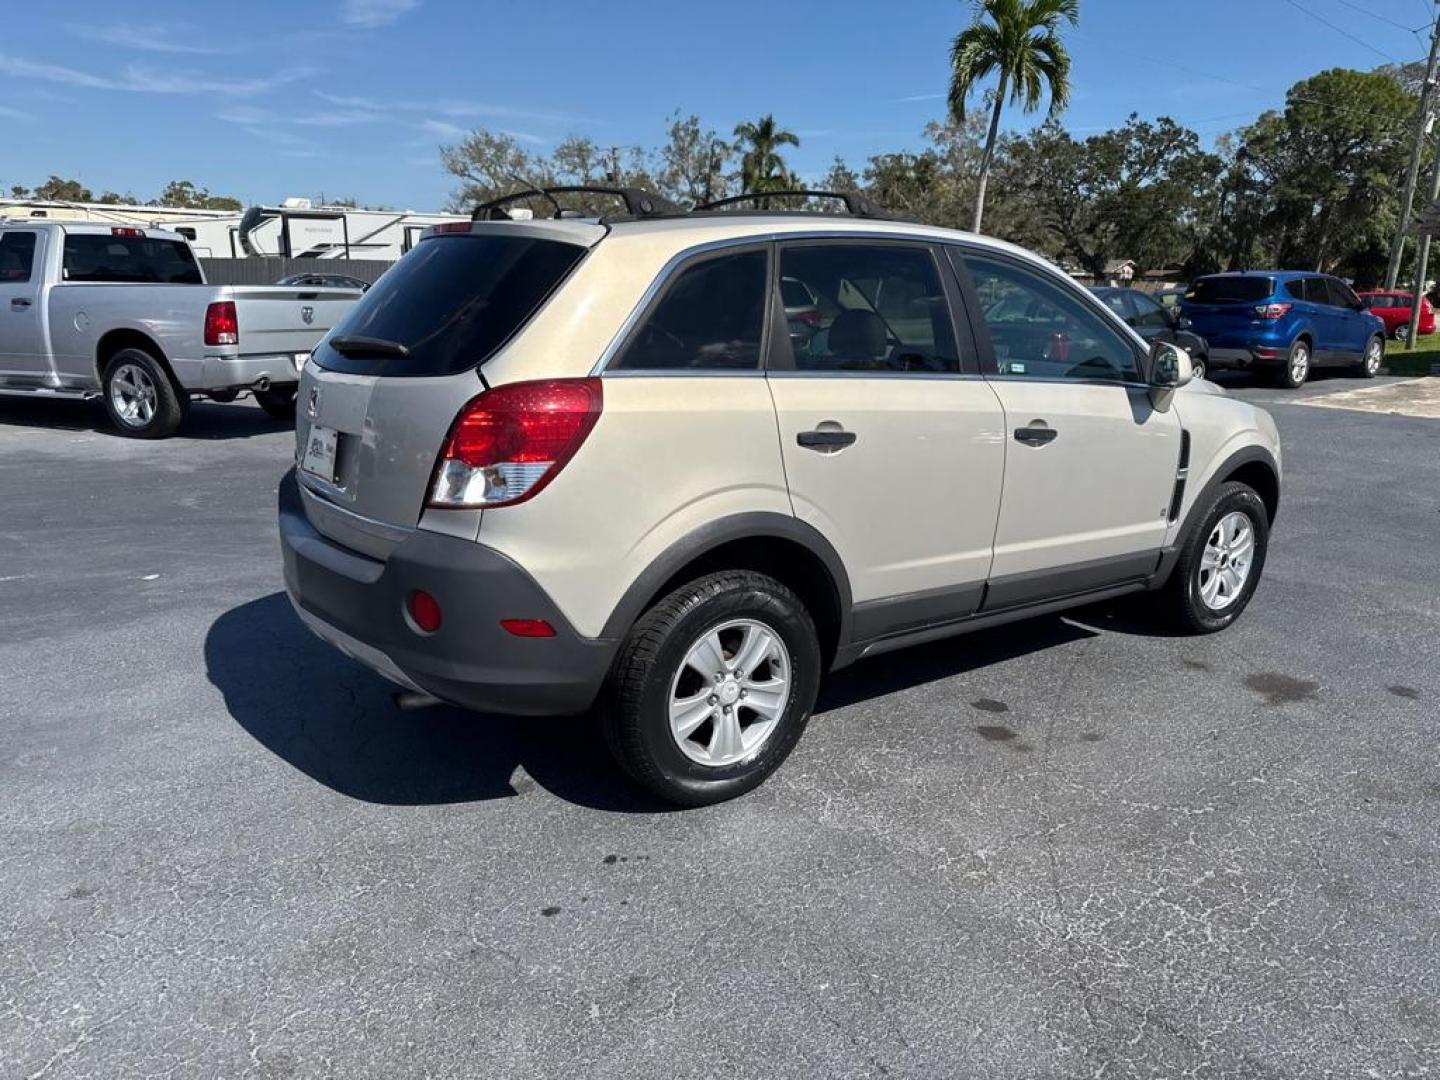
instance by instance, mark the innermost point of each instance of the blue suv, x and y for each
(1284, 322)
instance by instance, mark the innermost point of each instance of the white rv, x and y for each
(299, 230)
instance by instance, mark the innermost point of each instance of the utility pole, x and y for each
(1422, 128)
(1423, 264)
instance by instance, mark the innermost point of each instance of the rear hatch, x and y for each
(282, 320)
(390, 379)
(1221, 309)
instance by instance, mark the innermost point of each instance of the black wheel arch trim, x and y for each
(755, 525)
(1246, 455)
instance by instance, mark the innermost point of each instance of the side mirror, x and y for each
(1170, 370)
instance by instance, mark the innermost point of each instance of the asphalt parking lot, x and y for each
(1071, 847)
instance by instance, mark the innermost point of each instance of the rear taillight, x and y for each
(508, 443)
(1271, 311)
(221, 325)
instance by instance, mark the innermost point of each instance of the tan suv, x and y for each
(550, 464)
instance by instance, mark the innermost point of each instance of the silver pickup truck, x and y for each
(123, 313)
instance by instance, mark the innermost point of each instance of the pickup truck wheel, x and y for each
(1369, 365)
(278, 401)
(1220, 563)
(1296, 368)
(1199, 365)
(139, 396)
(712, 688)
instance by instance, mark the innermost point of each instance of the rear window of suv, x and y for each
(452, 302)
(1230, 290)
(135, 260)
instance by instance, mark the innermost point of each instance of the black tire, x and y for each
(1371, 359)
(634, 707)
(1180, 600)
(136, 369)
(278, 401)
(1199, 366)
(1285, 375)
(224, 397)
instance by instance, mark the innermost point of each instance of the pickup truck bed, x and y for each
(77, 299)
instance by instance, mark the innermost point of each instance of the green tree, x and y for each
(185, 194)
(59, 190)
(1321, 177)
(1144, 191)
(693, 162)
(762, 168)
(116, 199)
(1019, 40)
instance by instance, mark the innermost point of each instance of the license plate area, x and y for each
(320, 453)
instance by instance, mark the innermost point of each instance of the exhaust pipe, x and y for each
(410, 700)
(263, 383)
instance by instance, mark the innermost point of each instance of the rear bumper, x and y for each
(358, 605)
(1262, 356)
(227, 372)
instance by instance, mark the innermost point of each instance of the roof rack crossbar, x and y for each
(856, 205)
(638, 202)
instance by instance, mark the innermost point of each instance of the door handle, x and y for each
(1038, 433)
(826, 442)
(19, 303)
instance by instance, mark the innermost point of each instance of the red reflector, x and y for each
(425, 611)
(222, 327)
(127, 232)
(528, 627)
(1267, 354)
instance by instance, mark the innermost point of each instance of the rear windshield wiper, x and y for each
(352, 345)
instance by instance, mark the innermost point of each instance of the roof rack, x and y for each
(856, 205)
(638, 202)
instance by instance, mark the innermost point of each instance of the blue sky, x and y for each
(266, 99)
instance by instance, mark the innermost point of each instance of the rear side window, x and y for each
(450, 303)
(1295, 288)
(710, 319)
(878, 308)
(1316, 292)
(1341, 295)
(1229, 290)
(133, 260)
(17, 256)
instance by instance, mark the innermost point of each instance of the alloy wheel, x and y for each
(133, 395)
(1299, 364)
(1373, 354)
(730, 692)
(1227, 559)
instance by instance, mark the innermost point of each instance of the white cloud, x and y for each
(14, 114)
(140, 80)
(368, 14)
(451, 109)
(443, 129)
(174, 39)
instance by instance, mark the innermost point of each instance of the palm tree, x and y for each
(761, 166)
(1021, 41)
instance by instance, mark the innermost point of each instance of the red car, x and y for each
(1394, 310)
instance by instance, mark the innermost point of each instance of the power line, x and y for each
(1269, 92)
(1342, 31)
(1383, 18)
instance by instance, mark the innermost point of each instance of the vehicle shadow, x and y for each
(208, 420)
(335, 721)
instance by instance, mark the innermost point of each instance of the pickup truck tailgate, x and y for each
(278, 319)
